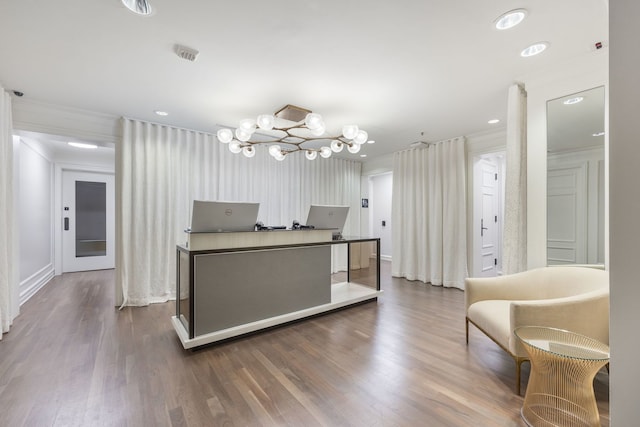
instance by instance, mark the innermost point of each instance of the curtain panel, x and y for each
(7, 249)
(429, 214)
(160, 170)
(515, 204)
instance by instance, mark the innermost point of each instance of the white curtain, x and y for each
(429, 214)
(515, 204)
(161, 169)
(7, 250)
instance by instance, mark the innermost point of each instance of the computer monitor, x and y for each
(215, 216)
(328, 217)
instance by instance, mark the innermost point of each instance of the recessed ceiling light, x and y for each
(598, 134)
(139, 7)
(161, 113)
(82, 145)
(510, 19)
(371, 142)
(534, 49)
(493, 121)
(572, 101)
(363, 155)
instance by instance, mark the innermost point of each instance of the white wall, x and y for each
(40, 117)
(378, 165)
(35, 219)
(592, 160)
(624, 157)
(575, 75)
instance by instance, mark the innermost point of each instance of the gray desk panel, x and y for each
(235, 288)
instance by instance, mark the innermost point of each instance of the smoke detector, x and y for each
(187, 53)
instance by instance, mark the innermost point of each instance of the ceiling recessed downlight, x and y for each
(371, 141)
(534, 49)
(493, 121)
(572, 101)
(363, 155)
(510, 19)
(161, 113)
(82, 145)
(139, 7)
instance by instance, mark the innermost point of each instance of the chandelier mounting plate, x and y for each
(292, 113)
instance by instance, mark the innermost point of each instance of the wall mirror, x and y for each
(575, 178)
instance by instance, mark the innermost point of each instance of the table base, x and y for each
(541, 409)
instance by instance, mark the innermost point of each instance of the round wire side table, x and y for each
(563, 366)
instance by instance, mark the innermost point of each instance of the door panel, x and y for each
(88, 226)
(487, 229)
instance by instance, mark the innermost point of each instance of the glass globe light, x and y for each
(249, 151)
(225, 135)
(361, 137)
(319, 131)
(280, 156)
(265, 121)
(311, 155)
(274, 150)
(336, 146)
(353, 148)
(349, 131)
(313, 121)
(248, 125)
(242, 135)
(235, 147)
(325, 152)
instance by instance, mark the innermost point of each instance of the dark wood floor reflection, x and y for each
(72, 359)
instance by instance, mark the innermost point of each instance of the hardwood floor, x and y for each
(72, 359)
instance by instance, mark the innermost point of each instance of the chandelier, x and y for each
(305, 135)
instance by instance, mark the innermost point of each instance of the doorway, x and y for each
(88, 221)
(380, 194)
(488, 212)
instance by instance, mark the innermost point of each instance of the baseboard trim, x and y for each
(31, 285)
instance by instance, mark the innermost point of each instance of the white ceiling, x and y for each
(396, 69)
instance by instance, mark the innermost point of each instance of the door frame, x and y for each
(473, 206)
(57, 218)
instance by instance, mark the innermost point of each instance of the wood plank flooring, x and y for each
(72, 359)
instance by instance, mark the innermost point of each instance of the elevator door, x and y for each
(88, 221)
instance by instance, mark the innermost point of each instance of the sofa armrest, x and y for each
(586, 314)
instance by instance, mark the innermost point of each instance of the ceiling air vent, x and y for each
(186, 53)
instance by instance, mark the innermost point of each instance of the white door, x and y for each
(381, 193)
(88, 221)
(486, 224)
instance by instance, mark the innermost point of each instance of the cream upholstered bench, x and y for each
(571, 298)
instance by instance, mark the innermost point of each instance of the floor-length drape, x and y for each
(7, 250)
(428, 216)
(515, 204)
(160, 170)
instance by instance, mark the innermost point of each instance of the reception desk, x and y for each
(232, 283)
